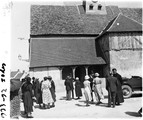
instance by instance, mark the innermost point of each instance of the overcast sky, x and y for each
(20, 23)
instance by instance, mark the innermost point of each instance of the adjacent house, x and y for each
(17, 75)
(71, 40)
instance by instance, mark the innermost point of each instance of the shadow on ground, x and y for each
(136, 95)
(63, 98)
(135, 114)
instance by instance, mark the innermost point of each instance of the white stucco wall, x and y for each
(127, 62)
(54, 72)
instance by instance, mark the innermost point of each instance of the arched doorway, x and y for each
(66, 71)
(80, 73)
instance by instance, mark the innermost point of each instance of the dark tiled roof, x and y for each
(63, 51)
(19, 75)
(46, 19)
(13, 73)
(124, 24)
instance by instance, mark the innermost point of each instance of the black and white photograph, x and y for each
(72, 59)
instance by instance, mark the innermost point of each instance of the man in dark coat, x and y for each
(119, 96)
(72, 87)
(91, 84)
(68, 88)
(111, 86)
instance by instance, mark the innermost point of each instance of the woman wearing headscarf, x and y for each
(27, 97)
(97, 87)
(52, 90)
(78, 91)
(87, 90)
(46, 94)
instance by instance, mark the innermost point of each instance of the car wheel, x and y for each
(127, 91)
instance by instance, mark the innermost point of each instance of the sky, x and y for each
(20, 26)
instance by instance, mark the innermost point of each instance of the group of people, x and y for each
(93, 84)
(41, 92)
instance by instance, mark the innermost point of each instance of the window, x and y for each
(99, 7)
(90, 7)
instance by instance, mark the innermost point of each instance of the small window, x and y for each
(99, 7)
(90, 7)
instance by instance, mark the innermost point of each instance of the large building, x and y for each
(68, 40)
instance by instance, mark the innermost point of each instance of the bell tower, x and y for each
(94, 7)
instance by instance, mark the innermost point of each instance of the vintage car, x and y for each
(130, 85)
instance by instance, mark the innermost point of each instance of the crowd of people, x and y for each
(43, 93)
(93, 86)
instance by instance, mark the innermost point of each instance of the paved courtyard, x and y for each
(77, 108)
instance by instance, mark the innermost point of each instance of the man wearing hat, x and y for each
(97, 87)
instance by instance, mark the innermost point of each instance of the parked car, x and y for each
(130, 85)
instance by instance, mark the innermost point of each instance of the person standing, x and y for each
(27, 97)
(68, 85)
(52, 90)
(87, 90)
(72, 87)
(111, 87)
(37, 91)
(46, 94)
(78, 91)
(91, 85)
(119, 96)
(97, 87)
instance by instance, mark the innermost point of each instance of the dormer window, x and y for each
(90, 7)
(99, 7)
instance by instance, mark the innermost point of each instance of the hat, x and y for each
(45, 78)
(96, 74)
(86, 77)
(49, 77)
(77, 78)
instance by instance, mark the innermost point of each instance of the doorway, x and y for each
(80, 73)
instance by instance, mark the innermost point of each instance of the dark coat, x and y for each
(119, 95)
(91, 83)
(27, 97)
(37, 91)
(52, 90)
(78, 91)
(68, 85)
(111, 84)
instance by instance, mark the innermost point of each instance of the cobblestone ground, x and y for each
(77, 108)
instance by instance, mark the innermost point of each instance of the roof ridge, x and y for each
(132, 19)
(114, 21)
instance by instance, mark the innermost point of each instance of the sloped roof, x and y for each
(63, 51)
(124, 24)
(13, 73)
(19, 75)
(50, 19)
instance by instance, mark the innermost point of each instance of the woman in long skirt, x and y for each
(27, 97)
(97, 87)
(46, 94)
(87, 90)
(78, 91)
